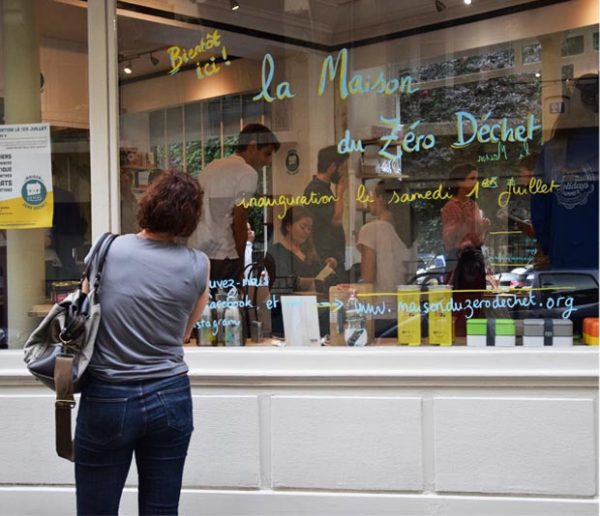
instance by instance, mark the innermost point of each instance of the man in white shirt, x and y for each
(221, 233)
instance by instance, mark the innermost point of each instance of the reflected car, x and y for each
(563, 292)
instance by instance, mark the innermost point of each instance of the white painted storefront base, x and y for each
(341, 431)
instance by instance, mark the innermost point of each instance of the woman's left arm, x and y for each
(368, 264)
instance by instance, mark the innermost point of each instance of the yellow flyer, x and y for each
(26, 198)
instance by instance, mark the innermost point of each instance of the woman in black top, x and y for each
(296, 261)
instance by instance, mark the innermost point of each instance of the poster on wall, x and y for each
(26, 199)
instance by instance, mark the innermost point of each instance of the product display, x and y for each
(547, 332)
(491, 332)
(440, 315)
(409, 315)
(590, 331)
(355, 329)
(338, 298)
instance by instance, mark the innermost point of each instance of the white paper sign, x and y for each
(300, 320)
(26, 197)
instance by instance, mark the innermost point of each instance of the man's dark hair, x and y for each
(172, 204)
(262, 135)
(529, 162)
(329, 155)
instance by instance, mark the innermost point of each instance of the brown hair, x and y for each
(171, 204)
(457, 174)
(329, 155)
(401, 212)
(296, 214)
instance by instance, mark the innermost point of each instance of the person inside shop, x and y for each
(464, 229)
(298, 266)
(519, 213)
(222, 231)
(330, 240)
(385, 245)
(128, 203)
(67, 233)
(137, 399)
(566, 220)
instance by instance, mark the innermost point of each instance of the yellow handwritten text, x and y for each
(535, 187)
(357, 83)
(436, 194)
(286, 202)
(180, 56)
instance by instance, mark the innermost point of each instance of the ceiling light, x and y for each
(440, 6)
(154, 60)
(468, 2)
(128, 70)
(234, 5)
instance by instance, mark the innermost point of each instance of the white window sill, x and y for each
(373, 364)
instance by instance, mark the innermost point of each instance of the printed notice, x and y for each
(26, 199)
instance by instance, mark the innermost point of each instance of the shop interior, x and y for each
(361, 75)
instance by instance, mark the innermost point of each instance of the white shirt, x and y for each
(391, 254)
(225, 182)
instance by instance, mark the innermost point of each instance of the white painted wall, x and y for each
(336, 431)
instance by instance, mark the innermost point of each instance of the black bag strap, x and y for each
(94, 251)
(63, 381)
(101, 259)
(490, 336)
(63, 367)
(74, 324)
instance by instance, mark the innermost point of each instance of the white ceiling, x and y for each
(322, 22)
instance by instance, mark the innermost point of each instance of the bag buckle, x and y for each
(62, 403)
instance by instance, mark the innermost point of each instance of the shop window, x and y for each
(401, 115)
(42, 248)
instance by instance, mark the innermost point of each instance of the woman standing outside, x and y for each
(138, 398)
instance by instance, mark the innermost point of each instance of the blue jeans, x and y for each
(151, 418)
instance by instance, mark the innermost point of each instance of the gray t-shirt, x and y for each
(149, 288)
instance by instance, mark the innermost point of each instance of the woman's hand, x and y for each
(332, 262)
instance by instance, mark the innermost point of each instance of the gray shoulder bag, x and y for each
(61, 347)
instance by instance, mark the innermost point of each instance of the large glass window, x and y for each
(45, 211)
(434, 175)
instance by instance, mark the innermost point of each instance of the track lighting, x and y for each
(128, 70)
(154, 60)
(440, 6)
(234, 5)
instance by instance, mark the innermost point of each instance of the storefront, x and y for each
(421, 317)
